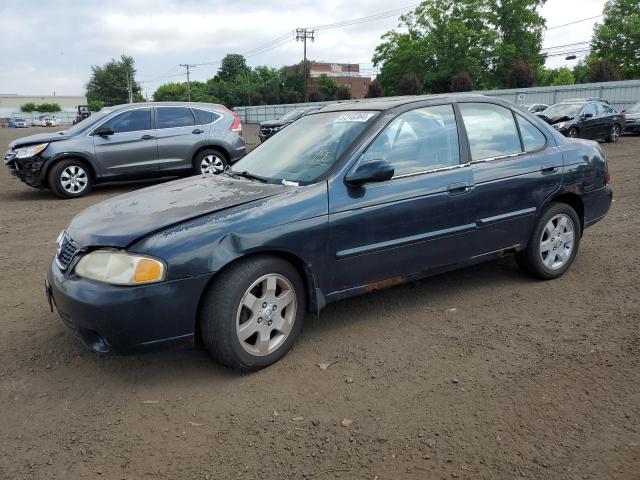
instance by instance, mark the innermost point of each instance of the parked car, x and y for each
(537, 107)
(45, 121)
(18, 122)
(127, 142)
(632, 119)
(591, 119)
(271, 127)
(346, 200)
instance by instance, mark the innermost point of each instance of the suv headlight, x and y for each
(31, 151)
(120, 268)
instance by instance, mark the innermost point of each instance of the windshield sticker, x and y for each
(354, 117)
(289, 183)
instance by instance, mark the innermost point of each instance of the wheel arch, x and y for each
(315, 298)
(202, 148)
(574, 201)
(44, 174)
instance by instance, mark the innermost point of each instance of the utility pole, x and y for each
(129, 87)
(303, 34)
(188, 66)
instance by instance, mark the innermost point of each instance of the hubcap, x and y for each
(266, 315)
(615, 133)
(211, 164)
(556, 243)
(74, 179)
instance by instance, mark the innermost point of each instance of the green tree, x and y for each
(28, 107)
(521, 28)
(442, 38)
(564, 77)
(617, 39)
(580, 72)
(232, 66)
(171, 92)
(96, 105)
(48, 107)
(603, 71)
(109, 83)
(328, 87)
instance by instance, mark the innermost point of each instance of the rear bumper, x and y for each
(597, 204)
(109, 318)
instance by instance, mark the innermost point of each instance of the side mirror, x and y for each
(624, 111)
(373, 171)
(103, 131)
(588, 115)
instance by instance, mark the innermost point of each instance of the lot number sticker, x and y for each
(354, 117)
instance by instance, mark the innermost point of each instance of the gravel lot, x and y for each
(477, 374)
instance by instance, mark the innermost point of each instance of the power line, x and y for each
(369, 18)
(573, 23)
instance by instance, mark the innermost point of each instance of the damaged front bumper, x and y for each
(26, 169)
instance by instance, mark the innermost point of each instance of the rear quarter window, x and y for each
(532, 138)
(205, 117)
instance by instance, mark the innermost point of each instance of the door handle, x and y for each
(547, 169)
(147, 137)
(198, 131)
(458, 188)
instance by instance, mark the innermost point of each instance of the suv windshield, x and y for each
(563, 110)
(306, 149)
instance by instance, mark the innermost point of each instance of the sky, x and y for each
(49, 45)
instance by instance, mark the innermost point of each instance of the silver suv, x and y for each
(127, 142)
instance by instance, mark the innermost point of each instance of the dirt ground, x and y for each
(524, 379)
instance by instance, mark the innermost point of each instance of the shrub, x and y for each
(520, 75)
(374, 90)
(461, 82)
(343, 93)
(28, 107)
(409, 84)
(48, 107)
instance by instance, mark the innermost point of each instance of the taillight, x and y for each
(608, 178)
(236, 125)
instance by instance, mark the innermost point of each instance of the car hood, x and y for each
(274, 123)
(556, 119)
(37, 138)
(124, 219)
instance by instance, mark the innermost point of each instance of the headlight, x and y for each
(31, 150)
(559, 125)
(120, 268)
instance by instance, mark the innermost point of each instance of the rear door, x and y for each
(591, 127)
(515, 168)
(419, 220)
(179, 136)
(131, 148)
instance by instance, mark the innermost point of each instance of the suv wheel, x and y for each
(69, 179)
(253, 312)
(209, 161)
(614, 135)
(554, 243)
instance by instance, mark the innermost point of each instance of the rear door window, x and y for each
(532, 138)
(418, 141)
(171, 117)
(491, 130)
(131, 121)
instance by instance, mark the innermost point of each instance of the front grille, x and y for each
(67, 249)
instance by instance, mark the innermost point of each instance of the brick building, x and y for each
(344, 73)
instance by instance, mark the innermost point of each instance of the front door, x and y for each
(131, 148)
(421, 219)
(515, 168)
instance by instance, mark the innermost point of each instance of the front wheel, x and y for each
(572, 133)
(69, 179)
(253, 312)
(614, 134)
(554, 243)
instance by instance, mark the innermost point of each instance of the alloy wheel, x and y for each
(556, 242)
(74, 179)
(211, 164)
(573, 133)
(266, 314)
(615, 133)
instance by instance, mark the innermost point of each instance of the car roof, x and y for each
(167, 104)
(387, 103)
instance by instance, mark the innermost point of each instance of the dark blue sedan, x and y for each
(350, 199)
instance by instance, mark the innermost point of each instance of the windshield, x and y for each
(635, 108)
(563, 110)
(292, 115)
(306, 149)
(87, 123)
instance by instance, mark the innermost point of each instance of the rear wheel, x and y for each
(614, 134)
(69, 179)
(554, 243)
(209, 161)
(253, 312)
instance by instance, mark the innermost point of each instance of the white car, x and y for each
(45, 121)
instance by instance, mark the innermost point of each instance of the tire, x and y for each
(70, 179)
(559, 254)
(614, 134)
(206, 161)
(572, 132)
(233, 334)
